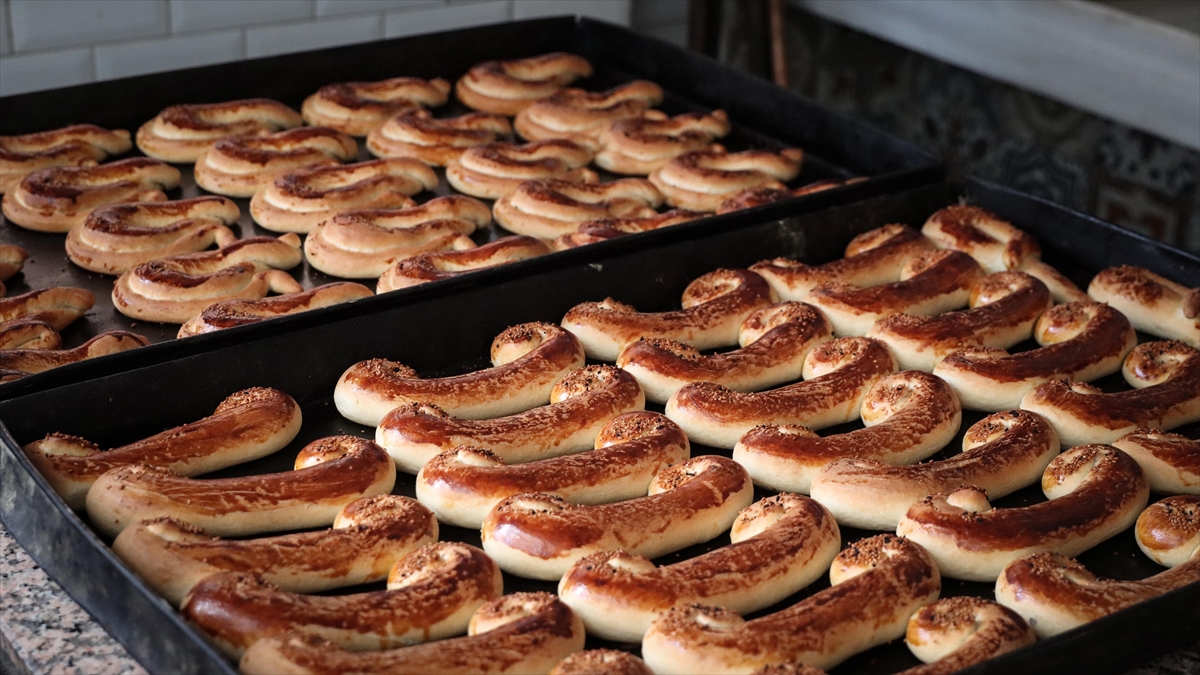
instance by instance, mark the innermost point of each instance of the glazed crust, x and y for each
(701, 180)
(330, 473)
(580, 116)
(12, 259)
(28, 334)
(437, 266)
(493, 170)
(528, 360)
(714, 307)
(955, 633)
(1168, 531)
(605, 661)
(181, 133)
(508, 87)
(436, 142)
(877, 584)
(592, 231)
(1001, 454)
(367, 537)
(780, 545)
(1095, 492)
(540, 536)
(759, 196)
(1153, 304)
(1171, 461)
(228, 314)
(240, 166)
(58, 306)
(75, 145)
(547, 209)
(639, 145)
(16, 363)
(358, 108)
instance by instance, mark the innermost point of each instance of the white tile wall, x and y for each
(19, 74)
(298, 37)
(399, 24)
(43, 24)
(150, 56)
(336, 7)
(196, 15)
(614, 11)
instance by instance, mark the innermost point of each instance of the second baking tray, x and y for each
(447, 329)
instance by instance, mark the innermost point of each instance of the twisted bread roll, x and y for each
(592, 231)
(358, 108)
(581, 405)
(581, 116)
(1166, 394)
(702, 179)
(76, 145)
(1171, 461)
(930, 284)
(330, 473)
(601, 662)
(427, 267)
(436, 142)
(780, 545)
(1153, 304)
(528, 359)
(1168, 531)
(877, 585)
(364, 244)
(29, 334)
(508, 87)
(955, 633)
(909, 416)
(367, 537)
(873, 258)
(496, 169)
(299, 200)
(60, 198)
(838, 374)
(57, 306)
(516, 633)
(998, 246)
(714, 307)
(181, 133)
(176, 289)
(117, 238)
(230, 313)
(1095, 492)
(1081, 341)
(759, 196)
(640, 145)
(16, 363)
(774, 341)
(238, 167)
(540, 535)
(1002, 453)
(12, 259)
(549, 208)
(431, 595)
(1004, 308)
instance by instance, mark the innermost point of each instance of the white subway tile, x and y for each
(188, 16)
(46, 24)
(399, 24)
(47, 70)
(310, 35)
(5, 43)
(613, 11)
(336, 7)
(174, 53)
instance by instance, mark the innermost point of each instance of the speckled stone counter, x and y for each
(43, 631)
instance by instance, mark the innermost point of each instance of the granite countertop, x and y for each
(43, 631)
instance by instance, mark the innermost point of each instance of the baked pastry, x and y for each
(239, 167)
(1153, 304)
(908, 417)
(431, 594)
(230, 313)
(714, 307)
(640, 145)
(539, 535)
(17, 363)
(955, 633)
(878, 583)
(1081, 341)
(1001, 454)
(12, 259)
(701, 180)
(780, 545)
(581, 404)
(592, 231)
(358, 108)
(774, 341)
(329, 474)
(75, 145)
(549, 208)
(527, 359)
(496, 169)
(1169, 460)
(1095, 492)
(181, 133)
(437, 266)
(837, 376)
(1168, 531)
(516, 633)
(464, 484)
(29, 334)
(174, 290)
(508, 87)
(367, 536)
(760, 196)
(58, 306)
(580, 116)
(117, 238)
(601, 662)
(60, 198)
(436, 142)
(299, 200)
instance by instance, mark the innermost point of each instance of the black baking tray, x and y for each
(446, 328)
(764, 116)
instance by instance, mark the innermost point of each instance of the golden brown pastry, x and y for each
(29, 334)
(436, 266)
(358, 108)
(592, 231)
(547, 209)
(955, 633)
(12, 259)
(1168, 531)
(580, 116)
(75, 145)
(639, 145)
(759, 196)
(508, 87)
(1171, 461)
(17, 363)
(57, 306)
(181, 133)
(238, 167)
(1153, 304)
(496, 169)
(230, 313)
(436, 142)
(601, 662)
(701, 180)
